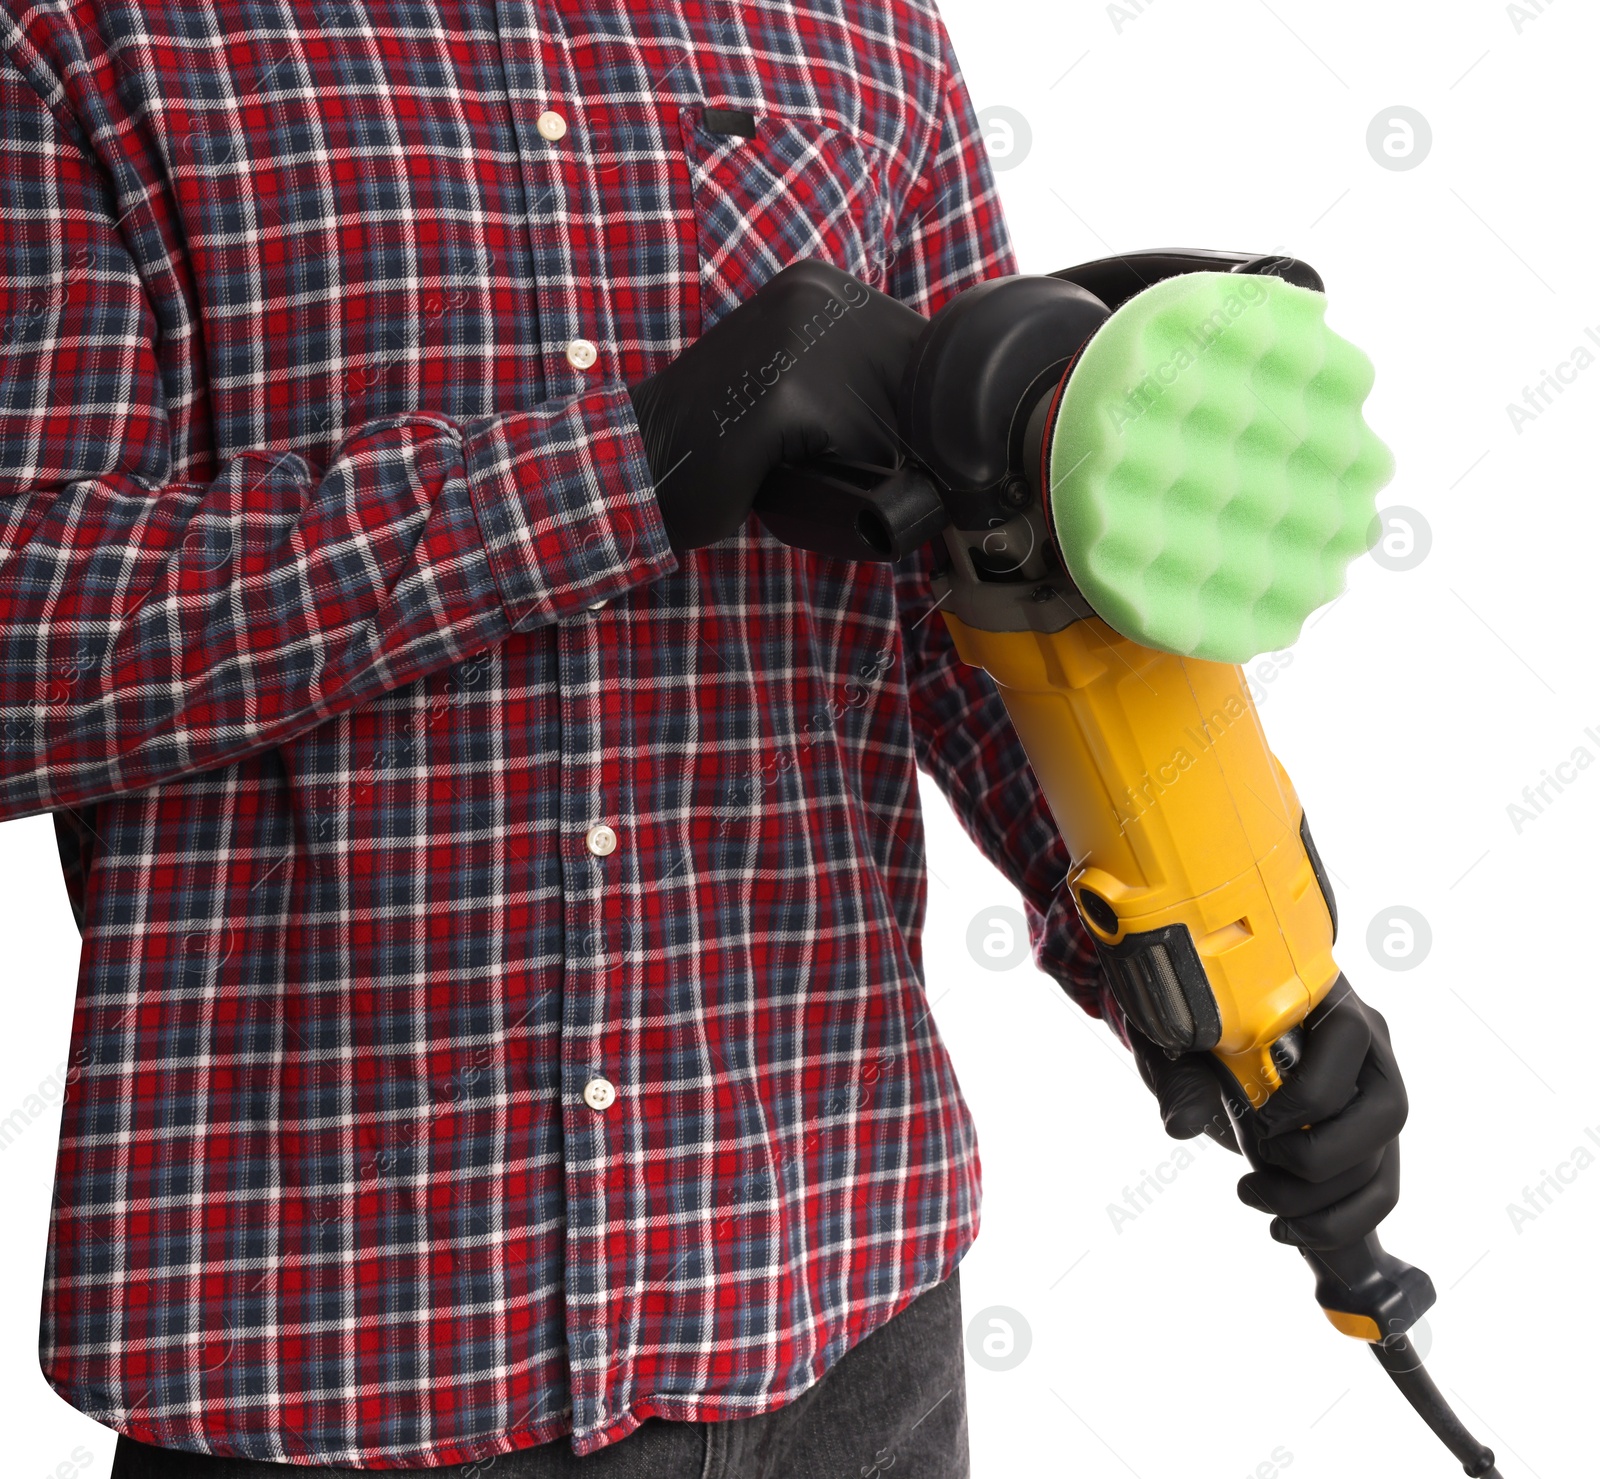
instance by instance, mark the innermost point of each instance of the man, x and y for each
(500, 1041)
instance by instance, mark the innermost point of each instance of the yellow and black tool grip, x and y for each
(1366, 1292)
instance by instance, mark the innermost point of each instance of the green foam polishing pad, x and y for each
(1211, 476)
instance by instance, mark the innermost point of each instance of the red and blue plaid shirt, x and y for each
(337, 624)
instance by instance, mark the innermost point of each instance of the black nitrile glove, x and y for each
(1186, 1089)
(809, 364)
(1333, 1183)
(1328, 1185)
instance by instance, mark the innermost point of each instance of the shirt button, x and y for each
(551, 125)
(601, 840)
(581, 353)
(599, 1093)
(596, 605)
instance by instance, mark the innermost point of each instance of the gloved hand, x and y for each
(1327, 1185)
(809, 364)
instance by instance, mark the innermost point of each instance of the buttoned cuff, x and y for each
(565, 500)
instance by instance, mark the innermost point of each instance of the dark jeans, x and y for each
(896, 1401)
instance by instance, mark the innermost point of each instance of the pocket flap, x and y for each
(797, 189)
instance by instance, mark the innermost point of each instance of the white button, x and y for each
(552, 125)
(581, 353)
(601, 840)
(596, 605)
(599, 1093)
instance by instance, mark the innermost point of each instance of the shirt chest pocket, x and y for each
(797, 189)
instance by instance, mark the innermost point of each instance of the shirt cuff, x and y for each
(566, 503)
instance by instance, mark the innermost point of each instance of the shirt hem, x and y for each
(672, 1408)
(402, 1459)
(713, 1408)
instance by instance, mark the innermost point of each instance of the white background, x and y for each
(1414, 710)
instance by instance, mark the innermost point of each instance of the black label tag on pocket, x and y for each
(729, 121)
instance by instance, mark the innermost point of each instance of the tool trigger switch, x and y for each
(1288, 1049)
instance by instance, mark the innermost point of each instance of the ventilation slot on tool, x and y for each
(1160, 985)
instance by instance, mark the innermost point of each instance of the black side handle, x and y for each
(851, 510)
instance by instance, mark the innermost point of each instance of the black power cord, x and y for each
(1399, 1358)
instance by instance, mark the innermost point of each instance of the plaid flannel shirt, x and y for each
(501, 1005)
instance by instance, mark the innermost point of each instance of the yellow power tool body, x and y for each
(1193, 866)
